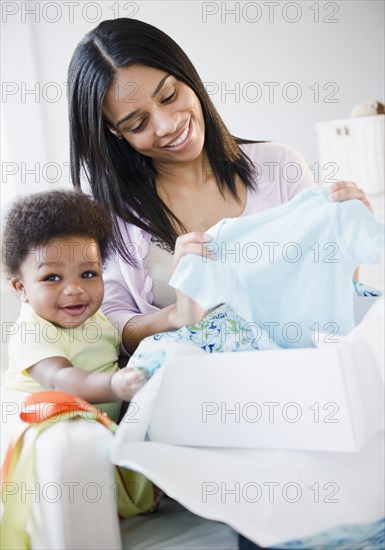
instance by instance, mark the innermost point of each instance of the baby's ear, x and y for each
(18, 285)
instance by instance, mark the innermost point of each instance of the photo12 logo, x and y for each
(272, 92)
(67, 12)
(70, 492)
(270, 12)
(253, 492)
(269, 411)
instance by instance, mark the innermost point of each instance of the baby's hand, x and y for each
(125, 382)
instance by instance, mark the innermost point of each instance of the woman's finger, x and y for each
(194, 248)
(347, 190)
(189, 239)
(193, 243)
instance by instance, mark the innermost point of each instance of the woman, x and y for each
(158, 156)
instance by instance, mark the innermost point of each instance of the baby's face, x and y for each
(62, 280)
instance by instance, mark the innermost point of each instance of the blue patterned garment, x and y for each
(221, 330)
(365, 290)
(368, 536)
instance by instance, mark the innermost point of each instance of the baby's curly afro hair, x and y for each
(34, 220)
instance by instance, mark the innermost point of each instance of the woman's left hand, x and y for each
(345, 190)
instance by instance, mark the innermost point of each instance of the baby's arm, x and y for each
(57, 373)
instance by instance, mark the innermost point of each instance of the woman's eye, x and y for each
(142, 124)
(139, 127)
(169, 98)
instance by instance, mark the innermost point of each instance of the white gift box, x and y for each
(232, 485)
(353, 149)
(328, 398)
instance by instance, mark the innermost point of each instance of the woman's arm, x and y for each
(57, 373)
(140, 326)
(184, 312)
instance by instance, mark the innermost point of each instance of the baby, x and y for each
(54, 244)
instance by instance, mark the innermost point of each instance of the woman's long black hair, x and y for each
(120, 178)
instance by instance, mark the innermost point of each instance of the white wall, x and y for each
(343, 60)
(230, 52)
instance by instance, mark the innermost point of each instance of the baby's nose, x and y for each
(73, 287)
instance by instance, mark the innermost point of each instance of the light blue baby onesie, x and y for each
(288, 269)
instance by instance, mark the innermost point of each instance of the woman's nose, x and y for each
(165, 123)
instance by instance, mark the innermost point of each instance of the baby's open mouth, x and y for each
(75, 309)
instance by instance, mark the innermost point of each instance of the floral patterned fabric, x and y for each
(221, 330)
(368, 536)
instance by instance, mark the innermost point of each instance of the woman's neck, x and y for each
(187, 175)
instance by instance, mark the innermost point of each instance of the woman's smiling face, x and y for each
(158, 115)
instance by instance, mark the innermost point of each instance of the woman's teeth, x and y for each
(181, 139)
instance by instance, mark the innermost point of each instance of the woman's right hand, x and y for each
(186, 310)
(191, 243)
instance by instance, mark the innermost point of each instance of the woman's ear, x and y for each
(115, 132)
(18, 285)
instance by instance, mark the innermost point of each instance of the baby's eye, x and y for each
(52, 277)
(89, 274)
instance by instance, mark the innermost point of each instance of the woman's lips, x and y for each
(181, 140)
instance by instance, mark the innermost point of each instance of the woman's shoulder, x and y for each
(132, 234)
(281, 173)
(135, 241)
